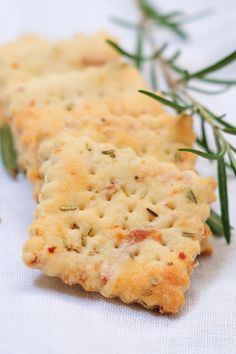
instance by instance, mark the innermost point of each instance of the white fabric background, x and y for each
(39, 315)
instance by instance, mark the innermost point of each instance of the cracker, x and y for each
(71, 87)
(32, 55)
(47, 105)
(160, 135)
(118, 224)
(113, 87)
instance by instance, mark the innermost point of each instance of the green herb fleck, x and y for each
(67, 208)
(70, 247)
(69, 106)
(83, 240)
(88, 147)
(143, 194)
(178, 157)
(188, 234)
(111, 153)
(153, 213)
(90, 233)
(191, 196)
(125, 189)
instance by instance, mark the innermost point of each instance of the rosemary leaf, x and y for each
(153, 77)
(206, 155)
(195, 17)
(177, 69)
(121, 50)
(214, 67)
(166, 102)
(200, 143)
(159, 51)
(137, 57)
(223, 192)
(191, 196)
(173, 14)
(124, 23)
(219, 119)
(219, 81)
(8, 152)
(230, 130)
(232, 160)
(209, 92)
(215, 223)
(223, 122)
(175, 56)
(204, 136)
(139, 47)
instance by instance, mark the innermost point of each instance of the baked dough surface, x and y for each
(119, 224)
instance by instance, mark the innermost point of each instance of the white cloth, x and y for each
(40, 315)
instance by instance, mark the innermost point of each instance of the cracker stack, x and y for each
(120, 210)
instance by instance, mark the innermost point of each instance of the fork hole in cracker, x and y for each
(74, 226)
(101, 214)
(92, 171)
(133, 191)
(125, 226)
(134, 253)
(144, 149)
(108, 198)
(116, 244)
(170, 223)
(131, 208)
(154, 201)
(82, 206)
(167, 151)
(171, 206)
(151, 217)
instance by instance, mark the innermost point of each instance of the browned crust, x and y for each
(136, 286)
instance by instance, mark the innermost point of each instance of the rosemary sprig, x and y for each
(178, 96)
(7, 150)
(168, 20)
(223, 147)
